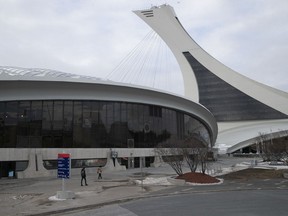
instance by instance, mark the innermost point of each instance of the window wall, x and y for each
(226, 102)
(93, 124)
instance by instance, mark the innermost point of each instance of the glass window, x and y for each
(136, 116)
(23, 124)
(2, 117)
(36, 111)
(109, 115)
(130, 116)
(77, 125)
(24, 111)
(95, 113)
(87, 125)
(155, 111)
(87, 121)
(180, 125)
(141, 125)
(123, 112)
(57, 141)
(10, 123)
(11, 113)
(102, 128)
(98, 128)
(93, 124)
(68, 124)
(47, 121)
(21, 165)
(225, 101)
(117, 112)
(77, 120)
(36, 118)
(110, 122)
(173, 120)
(119, 132)
(47, 142)
(35, 141)
(58, 117)
(22, 141)
(68, 116)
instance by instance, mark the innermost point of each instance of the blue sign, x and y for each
(64, 166)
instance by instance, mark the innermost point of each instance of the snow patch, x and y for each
(200, 184)
(55, 198)
(154, 181)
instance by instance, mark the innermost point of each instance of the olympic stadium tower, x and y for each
(242, 107)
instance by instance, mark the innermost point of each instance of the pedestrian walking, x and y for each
(83, 176)
(99, 171)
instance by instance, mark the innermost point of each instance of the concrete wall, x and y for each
(20, 154)
(35, 158)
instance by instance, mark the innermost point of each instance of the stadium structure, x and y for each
(44, 112)
(103, 123)
(242, 107)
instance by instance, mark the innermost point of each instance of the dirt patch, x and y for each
(254, 173)
(246, 174)
(199, 178)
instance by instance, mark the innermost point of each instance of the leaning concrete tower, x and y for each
(242, 107)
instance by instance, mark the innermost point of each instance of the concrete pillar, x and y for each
(110, 163)
(130, 162)
(157, 162)
(35, 167)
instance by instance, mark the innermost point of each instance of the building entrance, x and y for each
(7, 169)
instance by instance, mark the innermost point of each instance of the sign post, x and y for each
(63, 168)
(64, 165)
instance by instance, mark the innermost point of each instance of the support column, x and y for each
(35, 167)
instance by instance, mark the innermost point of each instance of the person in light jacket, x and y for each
(99, 171)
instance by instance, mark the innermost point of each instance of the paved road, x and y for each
(252, 197)
(32, 196)
(216, 204)
(229, 185)
(236, 203)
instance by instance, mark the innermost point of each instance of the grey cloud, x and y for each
(91, 37)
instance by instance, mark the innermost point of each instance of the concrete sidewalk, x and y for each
(31, 196)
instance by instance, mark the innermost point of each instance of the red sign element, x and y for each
(63, 155)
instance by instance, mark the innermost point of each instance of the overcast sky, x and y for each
(91, 37)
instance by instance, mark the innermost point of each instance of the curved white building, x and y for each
(45, 112)
(242, 107)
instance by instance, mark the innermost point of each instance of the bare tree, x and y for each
(191, 157)
(193, 151)
(203, 155)
(260, 140)
(273, 146)
(172, 155)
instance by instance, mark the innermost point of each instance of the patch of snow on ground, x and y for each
(214, 172)
(154, 181)
(55, 198)
(199, 184)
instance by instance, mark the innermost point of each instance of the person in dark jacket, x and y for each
(83, 176)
